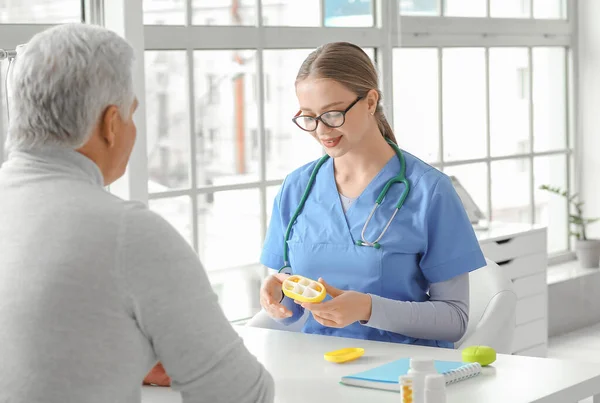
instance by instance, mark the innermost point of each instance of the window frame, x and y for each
(390, 31)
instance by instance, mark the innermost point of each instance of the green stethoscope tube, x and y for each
(400, 178)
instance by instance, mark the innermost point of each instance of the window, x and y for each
(167, 115)
(501, 130)
(480, 99)
(522, 83)
(20, 20)
(416, 102)
(510, 8)
(492, 113)
(267, 88)
(420, 7)
(164, 12)
(3, 109)
(40, 11)
(542, 9)
(509, 87)
(212, 90)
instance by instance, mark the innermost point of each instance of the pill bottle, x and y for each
(435, 388)
(419, 369)
(406, 388)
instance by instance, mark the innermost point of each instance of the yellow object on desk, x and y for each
(344, 354)
(303, 289)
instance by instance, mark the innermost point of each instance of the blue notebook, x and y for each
(386, 376)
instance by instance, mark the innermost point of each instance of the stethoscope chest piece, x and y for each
(375, 245)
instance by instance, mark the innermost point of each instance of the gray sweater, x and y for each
(94, 290)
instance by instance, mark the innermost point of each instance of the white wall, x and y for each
(588, 109)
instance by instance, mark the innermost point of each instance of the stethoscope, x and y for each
(400, 178)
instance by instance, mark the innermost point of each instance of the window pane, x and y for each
(226, 117)
(511, 188)
(419, 7)
(348, 13)
(551, 170)
(164, 12)
(287, 146)
(305, 13)
(224, 12)
(465, 8)
(510, 8)
(3, 110)
(474, 178)
(416, 102)
(238, 291)
(40, 11)
(229, 229)
(549, 99)
(509, 101)
(571, 96)
(178, 212)
(167, 120)
(551, 9)
(464, 104)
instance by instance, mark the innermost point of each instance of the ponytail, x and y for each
(384, 126)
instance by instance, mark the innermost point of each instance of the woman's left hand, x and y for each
(345, 308)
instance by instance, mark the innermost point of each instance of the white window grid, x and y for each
(388, 33)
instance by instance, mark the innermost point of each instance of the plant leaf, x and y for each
(575, 234)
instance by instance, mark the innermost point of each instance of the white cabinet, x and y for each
(521, 251)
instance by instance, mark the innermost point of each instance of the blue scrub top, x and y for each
(430, 240)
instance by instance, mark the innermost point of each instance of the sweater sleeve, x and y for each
(177, 310)
(444, 317)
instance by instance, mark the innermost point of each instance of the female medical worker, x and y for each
(396, 275)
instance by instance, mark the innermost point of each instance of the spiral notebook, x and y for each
(386, 376)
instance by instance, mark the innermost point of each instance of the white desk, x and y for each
(514, 379)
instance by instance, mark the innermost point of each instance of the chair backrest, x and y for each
(492, 309)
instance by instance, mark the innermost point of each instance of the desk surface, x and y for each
(515, 379)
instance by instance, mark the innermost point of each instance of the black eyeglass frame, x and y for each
(318, 119)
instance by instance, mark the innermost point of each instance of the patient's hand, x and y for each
(157, 376)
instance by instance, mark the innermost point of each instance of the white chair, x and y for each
(492, 310)
(491, 313)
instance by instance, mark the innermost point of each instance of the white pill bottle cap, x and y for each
(422, 365)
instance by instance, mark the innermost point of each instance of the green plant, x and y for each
(576, 218)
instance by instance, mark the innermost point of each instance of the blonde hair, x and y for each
(350, 66)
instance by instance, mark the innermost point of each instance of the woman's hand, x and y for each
(345, 308)
(271, 296)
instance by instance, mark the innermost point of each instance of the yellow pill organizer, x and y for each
(344, 355)
(303, 289)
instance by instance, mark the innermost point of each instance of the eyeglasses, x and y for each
(332, 119)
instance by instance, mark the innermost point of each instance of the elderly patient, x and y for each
(95, 290)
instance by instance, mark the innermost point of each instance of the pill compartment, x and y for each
(303, 289)
(298, 289)
(310, 293)
(304, 281)
(316, 286)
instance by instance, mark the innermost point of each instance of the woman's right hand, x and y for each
(271, 296)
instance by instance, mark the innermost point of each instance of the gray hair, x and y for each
(63, 81)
